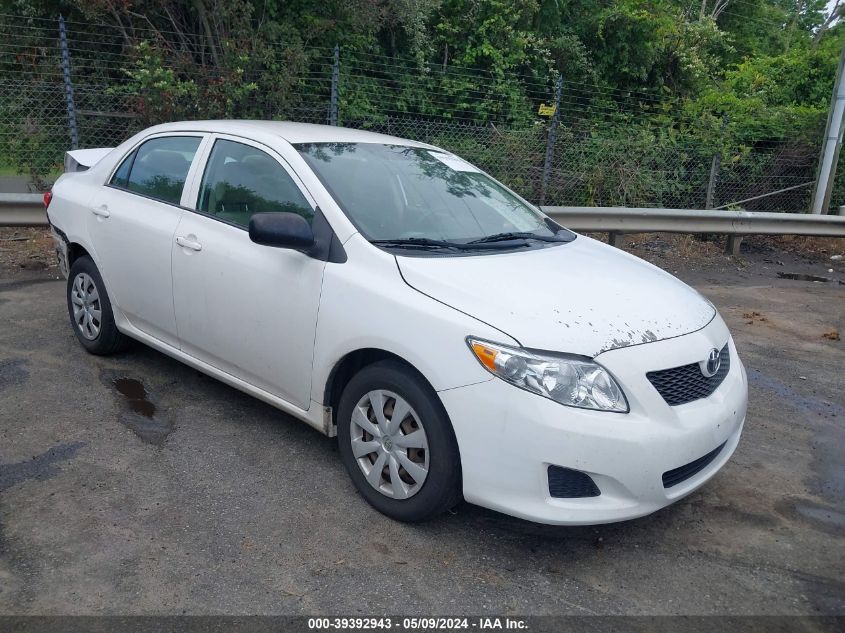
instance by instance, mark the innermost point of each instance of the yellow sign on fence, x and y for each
(546, 110)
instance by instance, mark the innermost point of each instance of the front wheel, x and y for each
(397, 443)
(90, 309)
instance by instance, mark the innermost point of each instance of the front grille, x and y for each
(565, 483)
(680, 385)
(677, 475)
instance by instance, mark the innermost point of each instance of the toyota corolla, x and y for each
(458, 342)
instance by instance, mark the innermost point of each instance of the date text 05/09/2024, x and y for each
(418, 623)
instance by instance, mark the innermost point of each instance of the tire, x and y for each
(97, 331)
(395, 385)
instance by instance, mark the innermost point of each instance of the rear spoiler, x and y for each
(82, 159)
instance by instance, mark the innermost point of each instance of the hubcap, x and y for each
(389, 443)
(87, 311)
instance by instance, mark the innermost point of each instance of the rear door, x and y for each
(132, 223)
(247, 309)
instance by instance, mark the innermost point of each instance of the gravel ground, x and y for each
(220, 504)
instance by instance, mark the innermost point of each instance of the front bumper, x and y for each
(509, 437)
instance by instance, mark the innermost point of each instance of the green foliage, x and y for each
(653, 46)
(652, 88)
(800, 76)
(156, 92)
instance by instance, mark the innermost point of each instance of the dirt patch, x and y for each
(754, 317)
(703, 257)
(26, 249)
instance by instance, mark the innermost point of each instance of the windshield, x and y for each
(396, 194)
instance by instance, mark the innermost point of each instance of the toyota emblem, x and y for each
(712, 364)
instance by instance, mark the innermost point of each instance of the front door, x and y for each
(247, 309)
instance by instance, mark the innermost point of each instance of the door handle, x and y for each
(101, 211)
(188, 243)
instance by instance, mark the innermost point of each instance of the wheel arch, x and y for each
(75, 250)
(353, 362)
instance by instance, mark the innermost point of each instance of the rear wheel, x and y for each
(397, 444)
(90, 310)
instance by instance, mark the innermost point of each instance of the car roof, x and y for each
(290, 131)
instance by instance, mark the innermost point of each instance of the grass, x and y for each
(7, 170)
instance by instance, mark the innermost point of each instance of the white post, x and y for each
(831, 145)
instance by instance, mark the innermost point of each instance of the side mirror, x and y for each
(282, 230)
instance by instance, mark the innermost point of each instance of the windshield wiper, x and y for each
(518, 235)
(416, 242)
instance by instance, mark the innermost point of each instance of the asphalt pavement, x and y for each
(135, 485)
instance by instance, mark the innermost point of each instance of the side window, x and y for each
(158, 167)
(240, 180)
(121, 176)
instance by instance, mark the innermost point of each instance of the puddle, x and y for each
(803, 277)
(824, 418)
(136, 396)
(18, 284)
(38, 467)
(13, 371)
(141, 416)
(809, 404)
(822, 515)
(822, 518)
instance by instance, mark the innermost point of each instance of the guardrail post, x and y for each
(550, 142)
(335, 81)
(733, 244)
(714, 168)
(71, 109)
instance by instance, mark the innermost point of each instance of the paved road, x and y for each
(220, 504)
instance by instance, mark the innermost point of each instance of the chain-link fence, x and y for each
(610, 149)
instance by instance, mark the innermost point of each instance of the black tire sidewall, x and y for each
(442, 487)
(109, 339)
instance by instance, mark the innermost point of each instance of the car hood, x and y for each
(581, 297)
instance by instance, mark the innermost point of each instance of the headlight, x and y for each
(571, 380)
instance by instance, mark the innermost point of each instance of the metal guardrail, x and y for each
(622, 220)
(22, 209)
(27, 209)
(617, 221)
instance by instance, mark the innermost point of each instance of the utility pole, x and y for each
(831, 144)
(550, 141)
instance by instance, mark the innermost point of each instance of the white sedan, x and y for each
(458, 342)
